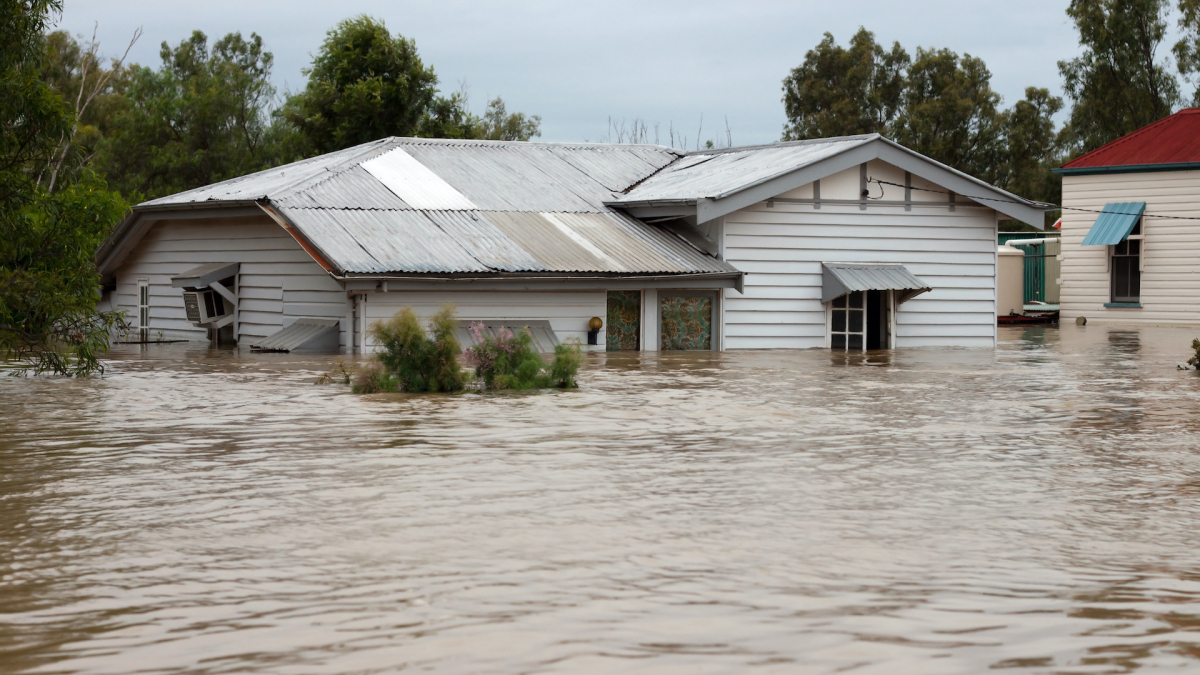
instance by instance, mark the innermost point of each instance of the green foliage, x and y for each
(202, 117)
(939, 103)
(1187, 49)
(1119, 84)
(49, 284)
(413, 360)
(568, 358)
(1195, 360)
(448, 117)
(950, 112)
(509, 361)
(48, 281)
(364, 84)
(843, 92)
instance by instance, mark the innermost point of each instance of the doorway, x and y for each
(623, 326)
(861, 320)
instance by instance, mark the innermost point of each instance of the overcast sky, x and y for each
(576, 64)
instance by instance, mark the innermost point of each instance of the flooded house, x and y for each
(1131, 227)
(848, 243)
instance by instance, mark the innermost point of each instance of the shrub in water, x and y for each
(1195, 360)
(412, 359)
(509, 361)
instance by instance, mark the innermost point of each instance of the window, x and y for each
(1126, 274)
(847, 322)
(144, 309)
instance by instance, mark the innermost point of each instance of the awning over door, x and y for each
(202, 276)
(1115, 223)
(305, 335)
(839, 279)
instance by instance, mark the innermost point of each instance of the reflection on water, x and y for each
(920, 511)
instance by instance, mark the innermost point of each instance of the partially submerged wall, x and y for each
(781, 248)
(278, 281)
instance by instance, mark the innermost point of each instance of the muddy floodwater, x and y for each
(1035, 509)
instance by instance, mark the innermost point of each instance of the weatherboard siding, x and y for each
(1170, 291)
(278, 281)
(781, 249)
(568, 312)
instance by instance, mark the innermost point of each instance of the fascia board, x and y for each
(960, 183)
(681, 210)
(360, 284)
(126, 235)
(710, 209)
(890, 152)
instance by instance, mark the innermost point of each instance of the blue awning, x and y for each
(1115, 223)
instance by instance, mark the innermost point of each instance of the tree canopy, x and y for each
(202, 117)
(1120, 84)
(938, 103)
(366, 84)
(49, 285)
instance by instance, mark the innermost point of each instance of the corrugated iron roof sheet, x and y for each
(425, 206)
(842, 278)
(295, 336)
(1115, 222)
(1171, 140)
(714, 174)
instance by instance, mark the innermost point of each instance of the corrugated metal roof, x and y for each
(841, 278)
(279, 181)
(415, 183)
(1171, 140)
(714, 174)
(1115, 222)
(426, 206)
(301, 335)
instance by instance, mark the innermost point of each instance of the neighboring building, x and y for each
(785, 245)
(1131, 227)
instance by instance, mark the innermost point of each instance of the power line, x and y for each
(1010, 201)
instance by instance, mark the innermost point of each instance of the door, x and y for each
(623, 325)
(861, 320)
(686, 320)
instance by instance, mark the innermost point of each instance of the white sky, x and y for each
(578, 63)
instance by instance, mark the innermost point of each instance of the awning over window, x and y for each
(839, 279)
(202, 276)
(1115, 223)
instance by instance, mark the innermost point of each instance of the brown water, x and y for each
(925, 511)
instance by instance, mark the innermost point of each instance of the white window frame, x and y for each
(143, 298)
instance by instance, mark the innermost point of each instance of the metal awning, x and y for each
(838, 279)
(1115, 223)
(305, 335)
(202, 276)
(544, 337)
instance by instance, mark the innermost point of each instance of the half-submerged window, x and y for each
(1126, 274)
(144, 309)
(847, 324)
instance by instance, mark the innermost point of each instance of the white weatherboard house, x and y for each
(1131, 227)
(845, 243)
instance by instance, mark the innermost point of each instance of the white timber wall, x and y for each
(781, 249)
(567, 311)
(1170, 289)
(278, 281)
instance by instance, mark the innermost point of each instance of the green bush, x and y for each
(1195, 360)
(509, 361)
(413, 360)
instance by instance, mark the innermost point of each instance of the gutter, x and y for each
(1126, 168)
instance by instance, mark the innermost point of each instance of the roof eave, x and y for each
(1126, 168)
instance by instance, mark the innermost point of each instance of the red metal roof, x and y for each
(1171, 140)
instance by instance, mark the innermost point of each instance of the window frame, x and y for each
(1129, 265)
(143, 306)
